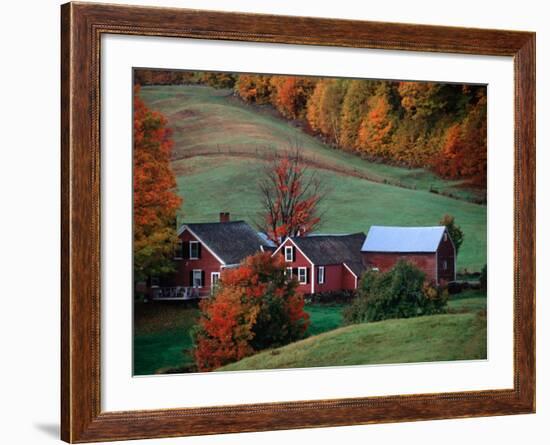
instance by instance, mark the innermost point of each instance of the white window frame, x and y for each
(289, 249)
(321, 276)
(200, 278)
(445, 264)
(289, 273)
(212, 275)
(191, 244)
(304, 270)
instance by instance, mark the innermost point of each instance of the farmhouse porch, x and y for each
(176, 293)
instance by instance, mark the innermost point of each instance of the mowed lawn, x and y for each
(227, 142)
(461, 335)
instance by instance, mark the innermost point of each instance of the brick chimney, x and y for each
(224, 217)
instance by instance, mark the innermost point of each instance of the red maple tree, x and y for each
(291, 197)
(155, 199)
(254, 307)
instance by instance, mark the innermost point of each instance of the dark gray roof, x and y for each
(231, 241)
(332, 249)
(357, 267)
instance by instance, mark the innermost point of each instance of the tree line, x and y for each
(440, 126)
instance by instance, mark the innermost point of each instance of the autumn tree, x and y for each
(447, 162)
(354, 108)
(325, 106)
(420, 100)
(254, 88)
(375, 131)
(455, 232)
(474, 140)
(289, 94)
(464, 151)
(291, 196)
(163, 77)
(217, 79)
(254, 307)
(155, 200)
(313, 109)
(331, 108)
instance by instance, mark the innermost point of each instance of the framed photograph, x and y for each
(276, 222)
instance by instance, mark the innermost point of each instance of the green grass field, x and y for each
(459, 335)
(324, 318)
(162, 337)
(219, 151)
(422, 339)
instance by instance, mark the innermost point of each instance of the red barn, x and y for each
(429, 248)
(204, 250)
(323, 263)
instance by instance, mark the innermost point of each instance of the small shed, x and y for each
(431, 249)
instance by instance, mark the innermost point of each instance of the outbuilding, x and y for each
(431, 249)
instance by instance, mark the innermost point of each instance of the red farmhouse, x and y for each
(320, 263)
(324, 263)
(204, 250)
(429, 248)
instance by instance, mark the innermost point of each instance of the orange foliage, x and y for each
(314, 106)
(155, 198)
(406, 123)
(254, 88)
(290, 198)
(354, 108)
(464, 152)
(375, 130)
(289, 94)
(233, 323)
(419, 99)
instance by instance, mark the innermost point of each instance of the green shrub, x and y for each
(399, 293)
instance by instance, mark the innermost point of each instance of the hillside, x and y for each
(220, 145)
(424, 339)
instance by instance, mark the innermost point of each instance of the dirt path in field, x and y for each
(314, 163)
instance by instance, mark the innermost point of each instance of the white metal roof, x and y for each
(403, 239)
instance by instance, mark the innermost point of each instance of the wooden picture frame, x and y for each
(82, 26)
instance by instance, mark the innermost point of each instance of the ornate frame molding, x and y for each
(82, 26)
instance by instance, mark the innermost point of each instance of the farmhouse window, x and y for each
(289, 254)
(321, 275)
(289, 273)
(194, 250)
(179, 252)
(444, 264)
(214, 279)
(198, 278)
(445, 237)
(302, 275)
